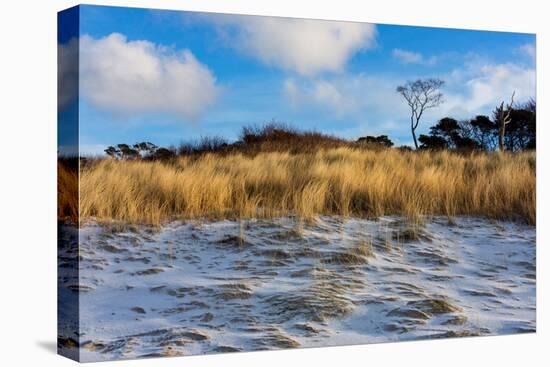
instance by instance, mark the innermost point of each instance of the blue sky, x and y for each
(172, 76)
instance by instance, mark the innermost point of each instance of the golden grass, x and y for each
(343, 181)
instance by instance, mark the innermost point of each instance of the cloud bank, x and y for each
(133, 77)
(485, 86)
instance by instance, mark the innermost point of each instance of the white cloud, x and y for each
(407, 57)
(410, 57)
(305, 46)
(131, 77)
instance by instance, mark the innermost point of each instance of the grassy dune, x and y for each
(343, 181)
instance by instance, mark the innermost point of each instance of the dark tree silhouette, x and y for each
(433, 142)
(448, 133)
(162, 154)
(127, 152)
(381, 140)
(520, 130)
(112, 152)
(484, 131)
(136, 151)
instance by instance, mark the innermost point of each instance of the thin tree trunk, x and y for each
(413, 131)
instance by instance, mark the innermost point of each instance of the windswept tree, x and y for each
(421, 95)
(113, 152)
(123, 151)
(145, 149)
(127, 152)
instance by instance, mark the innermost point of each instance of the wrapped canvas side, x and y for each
(67, 180)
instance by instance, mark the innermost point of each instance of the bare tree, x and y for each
(420, 96)
(503, 119)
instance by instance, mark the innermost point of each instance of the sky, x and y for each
(173, 76)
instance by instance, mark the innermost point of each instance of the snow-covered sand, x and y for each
(207, 287)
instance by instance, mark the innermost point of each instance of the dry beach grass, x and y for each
(342, 181)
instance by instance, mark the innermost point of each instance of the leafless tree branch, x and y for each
(421, 95)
